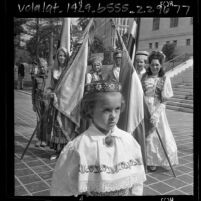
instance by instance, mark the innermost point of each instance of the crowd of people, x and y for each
(103, 160)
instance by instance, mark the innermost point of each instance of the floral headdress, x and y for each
(95, 58)
(156, 55)
(102, 86)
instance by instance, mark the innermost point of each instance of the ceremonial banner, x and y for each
(65, 34)
(135, 118)
(70, 89)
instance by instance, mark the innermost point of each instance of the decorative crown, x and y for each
(102, 86)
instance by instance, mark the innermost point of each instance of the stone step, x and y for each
(183, 77)
(183, 96)
(179, 100)
(182, 80)
(177, 92)
(188, 73)
(178, 104)
(186, 86)
(182, 92)
(183, 89)
(170, 107)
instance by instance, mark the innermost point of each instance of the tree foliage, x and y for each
(39, 44)
(23, 54)
(97, 45)
(18, 25)
(44, 35)
(168, 49)
(125, 38)
(82, 22)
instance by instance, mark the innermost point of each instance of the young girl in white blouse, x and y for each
(104, 160)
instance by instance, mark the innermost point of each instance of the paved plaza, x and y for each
(33, 173)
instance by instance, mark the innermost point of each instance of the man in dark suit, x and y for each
(114, 73)
(20, 74)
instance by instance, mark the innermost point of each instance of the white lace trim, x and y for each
(115, 185)
(174, 161)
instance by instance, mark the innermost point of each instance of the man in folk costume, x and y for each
(140, 62)
(114, 73)
(38, 101)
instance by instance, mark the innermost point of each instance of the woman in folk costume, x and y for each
(95, 74)
(104, 160)
(62, 126)
(157, 89)
(140, 62)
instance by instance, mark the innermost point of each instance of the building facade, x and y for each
(155, 32)
(106, 32)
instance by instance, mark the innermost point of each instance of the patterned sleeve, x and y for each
(65, 176)
(167, 91)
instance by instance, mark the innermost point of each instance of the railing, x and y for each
(171, 64)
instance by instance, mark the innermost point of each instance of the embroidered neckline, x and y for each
(96, 134)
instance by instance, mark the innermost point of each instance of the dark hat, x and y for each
(34, 62)
(145, 53)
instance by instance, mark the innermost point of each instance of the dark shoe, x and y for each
(43, 144)
(54, 157)
(167, 168)
(38, 143)
(152, 168)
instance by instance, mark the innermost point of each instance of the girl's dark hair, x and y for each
(89, 101)
(161, 58)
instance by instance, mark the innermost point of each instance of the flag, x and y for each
(131, 46)
(135, 118)
(65, 34)
(63, 42)
(70, 88)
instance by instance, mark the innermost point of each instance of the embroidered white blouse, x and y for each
(87, 164)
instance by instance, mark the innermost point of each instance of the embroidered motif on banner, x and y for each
(110, 170)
